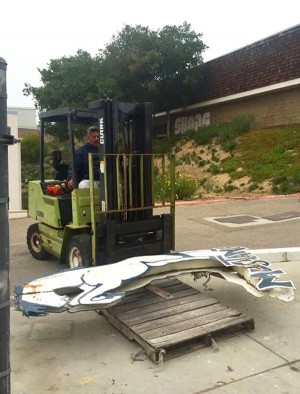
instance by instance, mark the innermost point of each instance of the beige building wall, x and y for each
(272, 109)
(18, 119)
(271, 106)
(14, 166)
(26, 117)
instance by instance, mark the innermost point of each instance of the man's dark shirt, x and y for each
(82, 163)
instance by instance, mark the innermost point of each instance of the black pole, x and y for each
(4, 241)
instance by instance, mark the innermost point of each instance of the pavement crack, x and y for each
(216, 386)
(266, 347)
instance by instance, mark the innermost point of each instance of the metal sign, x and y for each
(101, 287)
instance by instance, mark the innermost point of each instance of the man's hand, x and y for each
(71, 184)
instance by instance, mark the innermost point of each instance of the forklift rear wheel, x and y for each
(79, 251)
(35, 244)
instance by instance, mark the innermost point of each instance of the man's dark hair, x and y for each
(93, 129)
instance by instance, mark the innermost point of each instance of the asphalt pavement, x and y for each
(83, 353)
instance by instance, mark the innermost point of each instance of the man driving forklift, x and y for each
(81, 160)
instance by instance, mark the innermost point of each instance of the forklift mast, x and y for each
(127, 226)
(125, 131)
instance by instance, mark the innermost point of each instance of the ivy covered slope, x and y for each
(236, 159)
(230, 160)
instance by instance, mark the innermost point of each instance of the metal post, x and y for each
(4, 241)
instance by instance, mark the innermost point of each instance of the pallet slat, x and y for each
(207, 329)
(161, 311)
(173, 323)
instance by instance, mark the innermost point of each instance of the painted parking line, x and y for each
(234, 221)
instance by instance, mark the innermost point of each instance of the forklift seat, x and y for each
(60, 172)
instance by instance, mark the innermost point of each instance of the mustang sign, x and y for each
(89, 288)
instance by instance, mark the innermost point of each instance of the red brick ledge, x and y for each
(232, 199)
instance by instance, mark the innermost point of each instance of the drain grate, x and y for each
(282, 216)
(242, 219)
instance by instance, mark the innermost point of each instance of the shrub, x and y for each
(218, 189)
(203, 135)
(287, 184)
(239, 174)
(186, 159)
(163, 145)
(203, 181)
(296, 176)
(185, 187)
(214, 169)
(253, 186)
(279, 180)
(228, 132)
(209, 186)
(162, 188)
(30, 149)
(242, 124)
(229, 187)
(214, 157)
(201, 163)
(25, 199)
(229, 145)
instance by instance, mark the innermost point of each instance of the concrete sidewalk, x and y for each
(83, 353)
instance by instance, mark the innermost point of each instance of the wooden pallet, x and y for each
(169, 318)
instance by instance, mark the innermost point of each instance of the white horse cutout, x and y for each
(101, 287)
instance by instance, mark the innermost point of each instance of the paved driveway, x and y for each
(83, 353)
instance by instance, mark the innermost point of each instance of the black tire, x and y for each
(79, 251)
(35, 244)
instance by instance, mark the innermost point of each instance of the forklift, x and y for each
(117, 220)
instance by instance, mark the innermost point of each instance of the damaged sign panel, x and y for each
(101, 287)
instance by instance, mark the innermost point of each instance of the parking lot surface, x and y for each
(83, 353)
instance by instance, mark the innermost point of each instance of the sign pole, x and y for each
(4, 240)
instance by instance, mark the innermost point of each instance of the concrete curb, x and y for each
(17, 214)
(24, 213)
(233, 199)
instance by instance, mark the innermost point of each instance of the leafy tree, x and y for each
(153, 65)
(30, 149)
(138, 65)
(68, 81)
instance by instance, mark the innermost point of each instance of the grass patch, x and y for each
(266, 154)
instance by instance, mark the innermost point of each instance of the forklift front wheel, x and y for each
(79, 251)
(34, 243)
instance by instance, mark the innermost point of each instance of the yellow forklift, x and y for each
(120, 218)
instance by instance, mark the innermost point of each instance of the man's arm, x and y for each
(78, 168)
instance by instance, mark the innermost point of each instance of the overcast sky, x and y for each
(34, 31)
